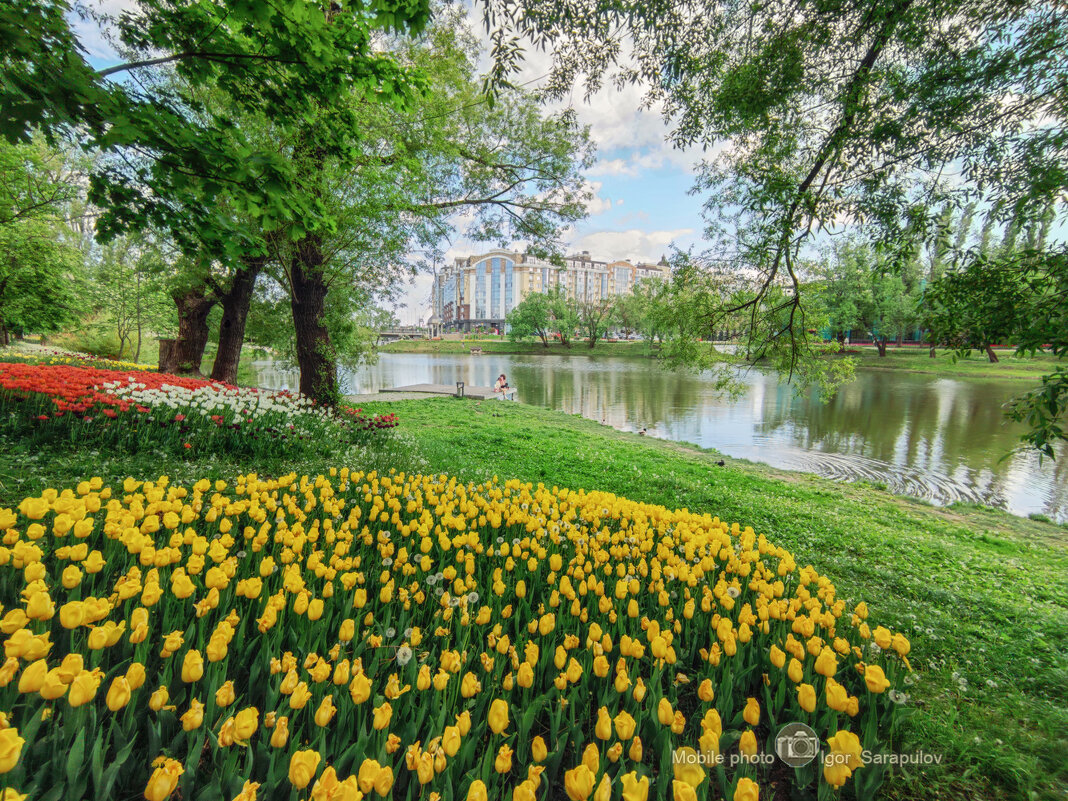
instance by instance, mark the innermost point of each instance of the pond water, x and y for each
(935, 438)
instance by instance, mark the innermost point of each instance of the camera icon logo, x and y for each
(797, 744)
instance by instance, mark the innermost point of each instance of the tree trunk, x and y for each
(544, 338)
(881, 345)
(235, 305)
(137, 355)
(990, 353)
(193, 309)
(3, 335)
(932, 351)
(900, 340)
(315, 352)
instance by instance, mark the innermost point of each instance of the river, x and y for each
(939, 439)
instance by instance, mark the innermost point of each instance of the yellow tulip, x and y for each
(498, 716)
(326, 711)
(603, 728)
(248, 791)
(163, 780)
(747, 745)
(194, 716)
(875, 679)
(806, 697)
(835, 772)
(224, 696)
(83, 688)
(687, 767)
(33, 677)
(578, 783)
(826, 663)
(682, 791)
(245, 724)
(751, 715)
(634, 788)
(10, 749)
(503, 762)
(159, 699)
(302, 767)
(280, 735)
(747, 790)
(53, 686)
(360, 688)
(604, 789)
(118, 694)
(382, 716)
(192, 666)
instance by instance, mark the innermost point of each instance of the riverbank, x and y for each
(909, 359)
(504, 346)
(981, 593)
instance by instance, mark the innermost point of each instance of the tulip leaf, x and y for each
(75, 758)
(96, 761)
(112, 772)
(213, 792)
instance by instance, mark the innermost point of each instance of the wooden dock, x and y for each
(472, 392)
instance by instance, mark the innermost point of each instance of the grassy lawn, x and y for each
(982, 595)
(975, 365)
(908, 359)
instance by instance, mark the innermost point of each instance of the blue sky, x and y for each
(640, 208)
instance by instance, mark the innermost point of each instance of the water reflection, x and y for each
(935, 438)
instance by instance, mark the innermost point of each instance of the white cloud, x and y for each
(632, 244)
(597, 204)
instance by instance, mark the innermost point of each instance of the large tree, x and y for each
(40, 268)
(172, 120)
(594, 317)
(530, 318)
(825, 115)
(507, 170)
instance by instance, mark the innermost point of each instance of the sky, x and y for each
(640, 206)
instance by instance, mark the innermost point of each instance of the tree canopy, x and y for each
(818, 117)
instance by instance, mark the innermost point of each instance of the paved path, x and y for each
(471, 392)
(387, 396)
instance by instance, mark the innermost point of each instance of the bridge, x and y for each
(402, 332)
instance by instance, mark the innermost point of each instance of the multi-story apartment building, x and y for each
(480, 290)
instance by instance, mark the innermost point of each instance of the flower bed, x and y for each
(138, 410)
(58, 356)
(410, 636)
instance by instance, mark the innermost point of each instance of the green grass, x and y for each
(975, 365)
(910, 359)
(982, 595)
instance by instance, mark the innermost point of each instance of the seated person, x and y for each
(502, 383)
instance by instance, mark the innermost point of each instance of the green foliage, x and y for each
(594, 318)
(563, 315)
(40, 271)
(530, 318)
(184, 152)
(875, 117)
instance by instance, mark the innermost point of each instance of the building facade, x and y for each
(478, 291)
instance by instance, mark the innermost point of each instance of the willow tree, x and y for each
(825, 115)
